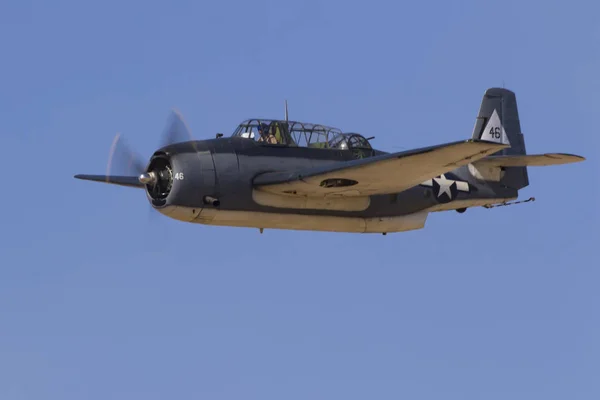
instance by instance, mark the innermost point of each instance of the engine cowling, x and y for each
(159, 175)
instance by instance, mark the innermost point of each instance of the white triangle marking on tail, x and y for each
(494, 131)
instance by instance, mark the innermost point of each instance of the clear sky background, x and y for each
(102, 299)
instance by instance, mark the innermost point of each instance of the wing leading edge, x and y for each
(388, 173)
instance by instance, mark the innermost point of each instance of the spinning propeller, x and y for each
(132, 169)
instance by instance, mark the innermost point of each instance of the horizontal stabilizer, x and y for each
(528, 160)
(388, 173)
(129, 181)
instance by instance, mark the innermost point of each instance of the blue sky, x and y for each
(100, 298)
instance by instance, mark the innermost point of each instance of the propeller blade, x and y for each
(129, 181)
(176, 131)
(122, 160)
(129, 166)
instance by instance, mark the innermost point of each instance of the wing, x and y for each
(529, 160)
(388, 173)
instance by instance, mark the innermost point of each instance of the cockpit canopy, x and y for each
(299, 134)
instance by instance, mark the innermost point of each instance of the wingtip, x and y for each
(568, 158)
(577, 158)
(574, 158)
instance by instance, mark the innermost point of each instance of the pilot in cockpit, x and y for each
(265, 136)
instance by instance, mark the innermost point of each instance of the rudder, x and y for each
(498, 121)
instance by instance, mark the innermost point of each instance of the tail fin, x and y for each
(498, 121)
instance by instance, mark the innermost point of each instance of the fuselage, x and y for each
(213, 185)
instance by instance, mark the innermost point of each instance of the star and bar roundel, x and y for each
(446, 190)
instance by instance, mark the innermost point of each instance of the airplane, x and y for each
(283, 174)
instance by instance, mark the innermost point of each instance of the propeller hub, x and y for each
(147, 178)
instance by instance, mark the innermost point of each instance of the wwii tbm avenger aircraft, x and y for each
(282, 174)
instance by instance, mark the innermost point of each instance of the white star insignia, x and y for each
(445, 185)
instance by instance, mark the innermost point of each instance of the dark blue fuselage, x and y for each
(225, 168)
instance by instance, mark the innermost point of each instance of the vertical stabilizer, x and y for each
(498, 121)
(494, 130)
